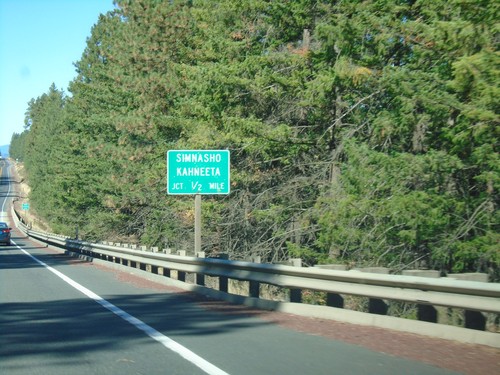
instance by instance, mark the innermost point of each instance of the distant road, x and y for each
(61, 315)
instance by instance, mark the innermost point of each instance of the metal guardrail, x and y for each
(471, 296)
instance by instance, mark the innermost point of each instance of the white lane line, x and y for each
(148, 330)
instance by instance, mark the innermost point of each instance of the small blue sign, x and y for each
(26, 206)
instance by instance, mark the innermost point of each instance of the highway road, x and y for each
(61, 315)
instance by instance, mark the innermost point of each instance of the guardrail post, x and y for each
(254, 289)
(166, 271)
(223, 280)
(376, 305)
(150, 267)
(223, 284)
(200, 278)
(254, 286)
(181, 275)
(426, 313)
(333, 299)
(473, 319)
(295, 294)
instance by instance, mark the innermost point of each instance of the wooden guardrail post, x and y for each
(333, 299)
(181, 275)
(153, 268)
(295, 294)
(254, 289)
(376, 305)
(254, 286)
(223, 280)
(200, 277)
(426, 313)
(473, 319)
(166, 271)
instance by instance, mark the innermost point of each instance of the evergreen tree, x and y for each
(362, 132)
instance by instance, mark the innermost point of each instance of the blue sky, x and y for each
(39, 42)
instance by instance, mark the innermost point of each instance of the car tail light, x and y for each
(5, 230)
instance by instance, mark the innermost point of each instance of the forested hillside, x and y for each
(361, 132)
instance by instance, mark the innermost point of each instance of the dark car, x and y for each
(5, 233)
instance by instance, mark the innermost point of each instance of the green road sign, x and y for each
(192, 172)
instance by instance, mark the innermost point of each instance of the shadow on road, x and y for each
(62, 327)
(76, 326)
(16, 259)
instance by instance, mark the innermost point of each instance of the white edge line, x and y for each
(148, 330)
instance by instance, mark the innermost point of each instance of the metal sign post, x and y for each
(197, 224)
(198, 172)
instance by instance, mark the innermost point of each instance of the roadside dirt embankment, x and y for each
(21, 195)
